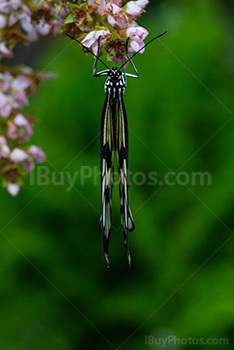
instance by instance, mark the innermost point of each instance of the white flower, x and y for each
(142, 3)
(18, 155)
(135, 8)
(13, 189)
(5, 105)
(20, 82)
(137, 34)
(2, 21)
(4, 148)
(92, 39)
(5, 51)
(37, 153)
(89, 40)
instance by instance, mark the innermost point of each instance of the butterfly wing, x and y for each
(122, 151)
(107, 174)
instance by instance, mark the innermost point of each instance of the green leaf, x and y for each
(59, 6)
(69, 19)
(115, 35)
(100, 28)
(72, 6)
(89, 18)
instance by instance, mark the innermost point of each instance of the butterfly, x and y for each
(114, 139)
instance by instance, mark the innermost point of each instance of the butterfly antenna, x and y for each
(86, 48)
(142, 48)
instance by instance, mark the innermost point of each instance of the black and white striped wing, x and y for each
(122, 151)
(107, 174)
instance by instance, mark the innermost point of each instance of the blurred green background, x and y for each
(55, 292)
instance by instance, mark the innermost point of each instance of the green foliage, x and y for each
(54, 286)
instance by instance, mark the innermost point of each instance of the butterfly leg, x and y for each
(133, 65)
(103, 72)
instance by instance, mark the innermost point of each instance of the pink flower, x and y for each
(21, 15)
(136, 46)
(22, 122)
(115, 16)
(37, 154)
(89, 40)
(115, 9)
(122, 20)
(4, 6)
(13, 189)
(137, 34)
(26, 10)
(4, 149)
(33, 30)
(99, 4)
(2, 140)
(20, 99)
(56, 25)
(5, 51)
(20, 129)
(142, 3)
(28, 28)
(116, 2)
(42, 27)
(111, 20)
(12, 131)
(5, 106)
(2, 21)
(15, 4)
(7, 6)
(29, 165)
(135, 8)
(92, 39)
(17, 97)
(13, 94)
(20, 82)
(6, 79)
(13, 18)
(104, 34)
(107, 9)
(45, 5)
(18, 155)
(111, 8)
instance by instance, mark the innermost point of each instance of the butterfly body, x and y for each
(114, 139)
(115, 83)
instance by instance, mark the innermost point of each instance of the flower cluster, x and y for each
(113, 21)
(21, 22)
(16, 158)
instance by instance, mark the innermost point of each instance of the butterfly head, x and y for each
(115, 74)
